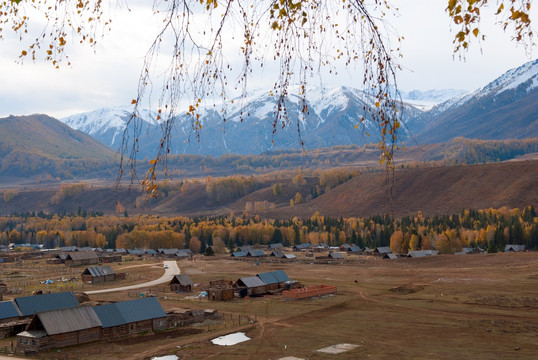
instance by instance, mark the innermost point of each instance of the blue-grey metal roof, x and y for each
(383, 250)
(30, 305)
(274, 277)
(239, 254)
(354, 248)
(136, 251)
(127, 312)
(8, 310)
(97, 271)
(151, 252)
(336, 255)
(302, 246)
(276, 246)
(170, 251)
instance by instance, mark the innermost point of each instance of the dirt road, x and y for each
(169, 272)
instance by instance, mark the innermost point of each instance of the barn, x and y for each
(131, 317)
(59, 328)
(78, 258)
(181, 283)
(98, 274)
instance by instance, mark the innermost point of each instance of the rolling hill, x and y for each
(40, 145)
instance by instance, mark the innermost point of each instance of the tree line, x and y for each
(490, 229)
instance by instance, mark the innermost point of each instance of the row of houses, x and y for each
(82, 324)
(259, 284)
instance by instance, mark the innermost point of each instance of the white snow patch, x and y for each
(166, 357)
(230, 339)
(338, 348)
(291, 358)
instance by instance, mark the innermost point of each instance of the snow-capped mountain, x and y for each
(245, 125)
(505, 108)
(426, 100)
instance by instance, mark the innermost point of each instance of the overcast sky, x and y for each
(109, 77)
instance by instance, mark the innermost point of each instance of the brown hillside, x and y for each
(440, 190)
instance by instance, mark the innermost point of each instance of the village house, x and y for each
(78, 258)
(130, 317)
(59, 328)
(514, 248)
(98, 274)
(239, 254)
(277, 246)
(382, 250)
(181, 283)
(274, 279)
(301, 247)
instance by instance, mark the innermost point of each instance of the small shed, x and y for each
(181, 283)
(276, 246)
(301, 247)
(239, 254)
(98, 274)
(290, 256)
(336, 256)
(253, 284)
(354, 249)
(255, 253)
(382, 250)
(277, 254)
(390, 256)
(78, 258)
(422, 253)
(514, 248)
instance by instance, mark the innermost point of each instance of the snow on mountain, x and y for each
(506, 108)
(250, 126)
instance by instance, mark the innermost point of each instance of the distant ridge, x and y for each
(506, 108)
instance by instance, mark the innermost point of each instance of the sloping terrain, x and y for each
(432, 190)
(438, 190)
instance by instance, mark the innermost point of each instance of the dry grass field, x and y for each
(444, 307)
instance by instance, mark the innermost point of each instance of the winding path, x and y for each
(169, 273)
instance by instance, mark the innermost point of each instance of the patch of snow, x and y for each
(230, 339)
(166, 357)
(337, 349)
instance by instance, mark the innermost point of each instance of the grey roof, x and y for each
(151, 252)
(390, 256)
(82, 255)
(255, 253)
(121, 250)
(274, 277)
(169, 251)
(8, 310)
(252, 281)
(354, 248)
(182, 279)
(276, 246)
(239, 254)
(245, 248)
(69, 248)
(336, 255)
(136, 251)
(383, 250)
(68, 320)
(62, 256)
(29, 305)
(277, 253)
(302, 246)
(422, 253)
(126, 312)
(512, 247)
(97, 271)
(290, 256)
